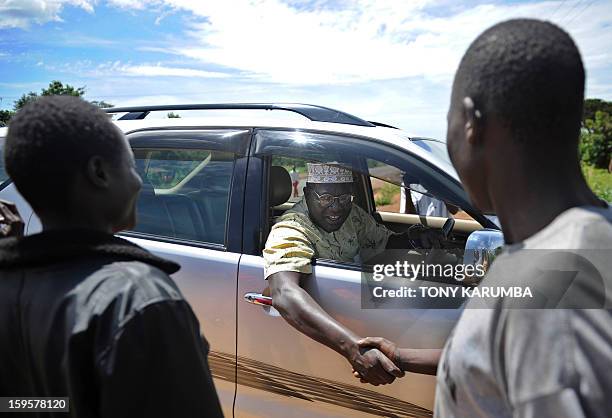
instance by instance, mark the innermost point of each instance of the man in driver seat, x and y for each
(326, 223)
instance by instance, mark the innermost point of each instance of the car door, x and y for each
(283, 373)
(190, 211)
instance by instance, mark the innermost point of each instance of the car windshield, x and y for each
(437, 148)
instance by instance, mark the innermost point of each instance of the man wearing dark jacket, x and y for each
(84, 314)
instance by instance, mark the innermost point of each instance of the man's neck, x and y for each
(542, 198)
(55, 224)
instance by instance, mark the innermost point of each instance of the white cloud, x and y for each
(352, 42)
(387, 61)
(23, 13)
(160, 71)
(390, 61)
(75, 39)
(130, 4)
(87, 68)
(365, 40)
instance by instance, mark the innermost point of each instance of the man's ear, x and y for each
(473, 121)
(97, 172)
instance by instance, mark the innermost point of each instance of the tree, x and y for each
(55, 88)
(172, 115)
(591, 106)
(24, 100)
(596, 135)
(596, 140)
(5, 116)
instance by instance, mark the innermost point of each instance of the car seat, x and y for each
(153, 216)
(168, 215)
(185, 216)
(279, 192)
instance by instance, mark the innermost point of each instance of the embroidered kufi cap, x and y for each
(328, 173)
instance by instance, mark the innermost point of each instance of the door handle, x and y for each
(258, 299)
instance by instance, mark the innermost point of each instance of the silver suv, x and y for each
(214, 184)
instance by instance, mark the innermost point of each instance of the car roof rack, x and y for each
(384, 125)
(312, 112)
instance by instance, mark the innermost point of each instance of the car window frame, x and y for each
(261, 218)
(462, 199)
(203, 138)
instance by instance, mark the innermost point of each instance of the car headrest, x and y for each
(280, 186)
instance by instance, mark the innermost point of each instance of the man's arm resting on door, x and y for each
(302, 312)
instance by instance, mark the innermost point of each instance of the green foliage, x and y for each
(172, 115)
(382, 201)
(168, 167)
(374, 163)
(289, 163)
(599, 180)
(385, 195)
(5, 116)
(55, 88)
(592, 106)
(596, 140)
(24, 100)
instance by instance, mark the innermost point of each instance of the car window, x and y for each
(379, 172)
(167, 168)
(385, 181)
(185, 193)
(398, 192)
(3, 176)
(353, 153)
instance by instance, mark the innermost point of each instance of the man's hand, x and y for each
(11, 224)
(427, 237)
(388, 348)
(383, 346)
(418, 237)
(414, 360)
(374, 367)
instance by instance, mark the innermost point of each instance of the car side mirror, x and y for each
(482, 247)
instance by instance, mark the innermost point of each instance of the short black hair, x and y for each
(529, 74)
(49, 141)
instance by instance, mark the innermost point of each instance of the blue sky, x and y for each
(389, 61)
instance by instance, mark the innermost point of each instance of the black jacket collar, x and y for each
(56, 246)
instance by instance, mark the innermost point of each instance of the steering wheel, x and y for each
(431, 240)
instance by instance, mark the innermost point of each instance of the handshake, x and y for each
(376, 361)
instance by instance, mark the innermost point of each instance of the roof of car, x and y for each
(264, 119)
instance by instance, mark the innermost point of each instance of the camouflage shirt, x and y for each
(294, 240)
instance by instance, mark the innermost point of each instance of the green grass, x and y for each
(599, 180)
(386, 193)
